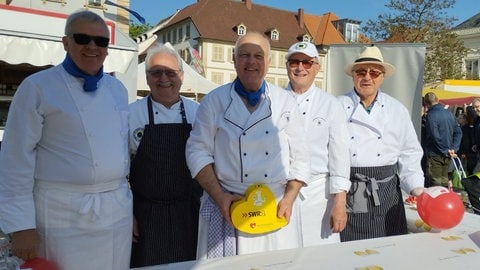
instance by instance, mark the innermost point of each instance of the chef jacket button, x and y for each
(266, 132)
(352, 137)
(304, 113)
(308, 99)
(244, 133)
(379, 137)
(354, 155)
(266, 153)
(265, 175)
(378, 155)
(350, 121)
(246, 175)
(244, 154)
(348, 107)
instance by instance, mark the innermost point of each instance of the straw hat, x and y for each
(370, 55)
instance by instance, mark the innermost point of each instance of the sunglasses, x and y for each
(83, 39)
(157, 73)
(293, 63)
(374, 73)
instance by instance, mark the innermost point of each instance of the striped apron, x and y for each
(374, 204)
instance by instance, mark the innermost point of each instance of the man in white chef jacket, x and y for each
(64, 194)
(245, 132)
(385, 153)
(323, 211)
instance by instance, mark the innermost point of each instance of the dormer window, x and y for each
(241, 29)
(274, 34)
(306, 38)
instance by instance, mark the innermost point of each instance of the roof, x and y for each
(322, 29)
(472, 22)
(208, 13)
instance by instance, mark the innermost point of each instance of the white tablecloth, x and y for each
(456, 248)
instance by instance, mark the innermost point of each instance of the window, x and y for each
(56, 1)
(273, 59)
(472, 69)
(351, 32)
(230, 53)
(95, 3)
(306, 38)
(187, 31)
(217, 77)
(241, 30)
(174, 36)
(217, 53)
(274, 35)
(282, 82)
(180, 34)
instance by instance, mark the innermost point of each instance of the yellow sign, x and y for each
(257, 211)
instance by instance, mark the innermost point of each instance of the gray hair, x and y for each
(159, 48)
(83, 16)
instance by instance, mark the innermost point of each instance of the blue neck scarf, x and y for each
(251, 97)
(91, 82)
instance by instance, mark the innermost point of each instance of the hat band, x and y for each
(367, 59)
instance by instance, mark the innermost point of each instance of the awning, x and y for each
(450, 98)
(41, 52)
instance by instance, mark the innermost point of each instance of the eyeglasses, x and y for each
(293, 63)
(157, 73)
(374, 73)
(84, 39)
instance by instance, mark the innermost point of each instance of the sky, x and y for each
(155, 10)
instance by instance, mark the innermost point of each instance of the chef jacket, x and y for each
(268, 145)
(328, 137)
(385, 136)
(59, 134)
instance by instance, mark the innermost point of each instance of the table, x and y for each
(456, 248)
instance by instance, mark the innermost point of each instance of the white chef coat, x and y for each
(328, 138)
(267, 145)
(69, 147)
(384, 137)
(161, 114)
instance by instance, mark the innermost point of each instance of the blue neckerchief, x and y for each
(252, 97)
(91, 82)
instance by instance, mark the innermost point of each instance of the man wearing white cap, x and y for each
(323, 213)
(385, 153)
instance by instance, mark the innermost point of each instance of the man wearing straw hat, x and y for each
(385, 153)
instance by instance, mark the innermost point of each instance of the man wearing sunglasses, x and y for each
(323, 213)
(64, 194)
(385, 154)
(166, 197)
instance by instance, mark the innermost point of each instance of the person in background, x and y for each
(246, 132)
(385, 153)
(64, 194)
(476, 131)
(323, 214)
(466, 151)
(443, 136)
(166, 199)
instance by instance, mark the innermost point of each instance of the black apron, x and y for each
(166, 199)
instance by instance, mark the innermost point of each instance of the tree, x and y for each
(138, 29)
(423, 21)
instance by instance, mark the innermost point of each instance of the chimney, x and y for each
(301, 22)
(248, 4)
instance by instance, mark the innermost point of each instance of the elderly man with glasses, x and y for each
(385, 153)
(323, 213)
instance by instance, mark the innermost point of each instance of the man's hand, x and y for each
(25, 244)
(338, 216)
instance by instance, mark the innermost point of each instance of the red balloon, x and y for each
(440, 208)
(39, 264)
